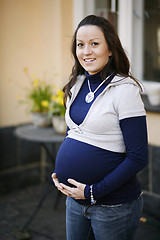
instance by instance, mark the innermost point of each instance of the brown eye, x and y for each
(95, 43)
(80, 45)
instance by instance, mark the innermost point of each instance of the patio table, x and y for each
(43, 136)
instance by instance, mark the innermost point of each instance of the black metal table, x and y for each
(43, 136)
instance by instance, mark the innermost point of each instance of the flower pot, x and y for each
(59, 124)
(40, 119)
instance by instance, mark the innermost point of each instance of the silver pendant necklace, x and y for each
(90, 96)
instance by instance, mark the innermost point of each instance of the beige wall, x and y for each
(35, 34)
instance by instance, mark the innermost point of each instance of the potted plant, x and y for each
(57, 111)
(37, 99)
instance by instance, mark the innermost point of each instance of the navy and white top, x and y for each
(106, 143)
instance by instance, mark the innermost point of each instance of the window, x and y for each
(152, 40)
(107, 9)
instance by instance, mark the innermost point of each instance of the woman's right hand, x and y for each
(56, 182)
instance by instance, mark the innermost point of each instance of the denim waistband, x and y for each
(118, 205)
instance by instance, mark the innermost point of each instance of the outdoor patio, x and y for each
(17, 207)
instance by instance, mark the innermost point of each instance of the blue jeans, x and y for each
(102, 222)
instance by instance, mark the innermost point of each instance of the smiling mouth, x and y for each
(88, 60)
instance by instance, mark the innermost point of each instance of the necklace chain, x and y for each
(89, 86)
(90, 96)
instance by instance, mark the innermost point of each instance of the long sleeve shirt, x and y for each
(106, 143)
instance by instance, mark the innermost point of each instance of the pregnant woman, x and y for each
(106, 141)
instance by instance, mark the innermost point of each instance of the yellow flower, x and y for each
(60, 93)
(35, 83)
(59, 100)
(37, 94)
(18, 97)
(54, 86)
(53, 98)
(57, 107)
(45, 103)
(62, 102)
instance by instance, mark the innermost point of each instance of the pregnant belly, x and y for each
(83, 162)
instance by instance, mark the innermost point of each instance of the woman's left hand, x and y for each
(76, 192)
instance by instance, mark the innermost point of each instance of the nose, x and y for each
(87, 50)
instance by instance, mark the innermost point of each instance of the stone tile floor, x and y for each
(49, 223)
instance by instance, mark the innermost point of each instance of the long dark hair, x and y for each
(118, 63)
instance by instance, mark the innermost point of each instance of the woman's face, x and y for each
(92, 49)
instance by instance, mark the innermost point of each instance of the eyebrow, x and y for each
(89, 40)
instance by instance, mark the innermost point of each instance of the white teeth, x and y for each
(89, 60)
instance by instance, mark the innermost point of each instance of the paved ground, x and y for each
(49, 224)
